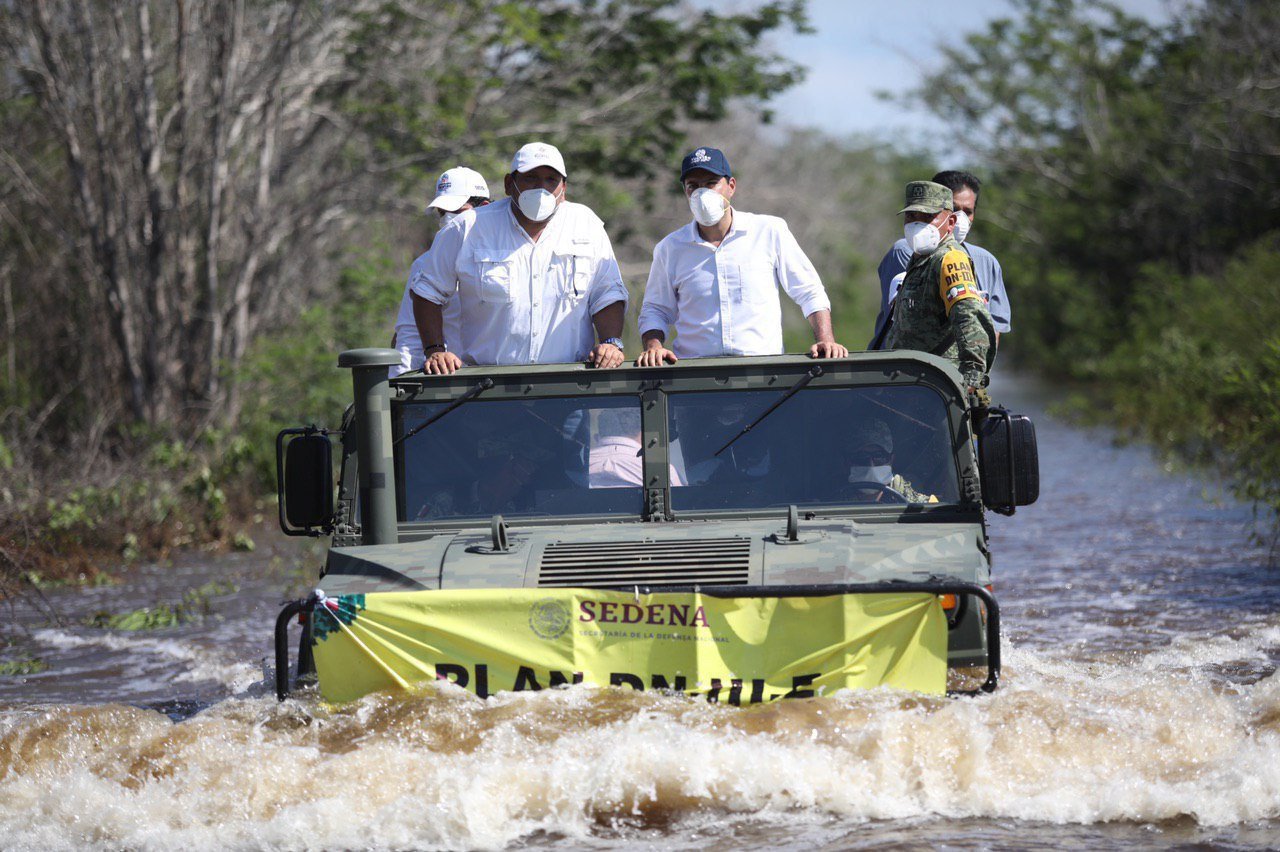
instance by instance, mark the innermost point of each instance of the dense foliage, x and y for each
(1134, 184)
(184, 184)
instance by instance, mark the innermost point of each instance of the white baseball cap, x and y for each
(456, 186)
(537, 154)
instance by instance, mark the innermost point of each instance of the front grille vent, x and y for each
(708, 561)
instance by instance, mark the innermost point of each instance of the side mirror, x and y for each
(1008, 461)
(304, 482)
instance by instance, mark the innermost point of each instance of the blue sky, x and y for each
(860, 47)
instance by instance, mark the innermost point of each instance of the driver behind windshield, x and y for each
(870, 459)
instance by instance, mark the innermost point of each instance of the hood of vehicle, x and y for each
(736, 553)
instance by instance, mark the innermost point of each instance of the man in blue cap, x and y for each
(716, 279)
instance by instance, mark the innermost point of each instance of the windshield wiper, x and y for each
(483, 386)
(813, 373)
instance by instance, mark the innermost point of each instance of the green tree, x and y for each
(187, 174)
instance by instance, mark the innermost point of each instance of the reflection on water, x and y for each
(1140, 706)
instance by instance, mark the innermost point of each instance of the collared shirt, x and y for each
(724, 300)
(521, 301)
(985, 267)
(408, 341)
(616, 462)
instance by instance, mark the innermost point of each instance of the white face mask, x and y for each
(922, 237)
(880, 473)
(962, 226)
(447, 218)
(708, 206)
(537, 204)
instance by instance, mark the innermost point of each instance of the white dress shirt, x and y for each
(408, 341)
(523, 302)
(616, 462)
(724, 300)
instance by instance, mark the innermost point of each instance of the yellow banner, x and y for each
(733, 650)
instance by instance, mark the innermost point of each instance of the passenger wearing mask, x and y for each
(716, 279)
(871, 475)
(534, 275)
(938, 308)
(893, 267)
(458, 190)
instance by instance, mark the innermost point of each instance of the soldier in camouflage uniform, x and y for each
(870, 459)
(939, 308)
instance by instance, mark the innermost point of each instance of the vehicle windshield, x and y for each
(526, 457)
(823, 446)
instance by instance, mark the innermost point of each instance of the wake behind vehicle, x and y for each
(743, 529)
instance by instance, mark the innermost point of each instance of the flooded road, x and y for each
(1140, 707)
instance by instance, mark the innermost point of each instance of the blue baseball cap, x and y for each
(708, 159)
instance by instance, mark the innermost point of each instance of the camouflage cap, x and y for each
(874, 432)
(925, 196)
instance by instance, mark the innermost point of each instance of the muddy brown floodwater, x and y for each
(1140, 707)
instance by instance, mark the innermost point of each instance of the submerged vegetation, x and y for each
(24, 666)
(195, 604)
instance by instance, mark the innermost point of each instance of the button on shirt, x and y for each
(985, 266)
(724, 300)
(523, 302)
(408, 341)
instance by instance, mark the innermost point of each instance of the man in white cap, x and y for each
(534, 274)
(716, 279)
(457, 190)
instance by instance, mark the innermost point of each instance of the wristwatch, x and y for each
(443, 347)
(614, 341)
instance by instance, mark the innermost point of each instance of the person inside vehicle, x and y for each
(870, 460)
(616, 460)
(505, 464)
(702, 430)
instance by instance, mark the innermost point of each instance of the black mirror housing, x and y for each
(304, 482)
(1008, 461)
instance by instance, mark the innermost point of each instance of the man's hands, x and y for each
(825, 345)
(656, 355)
(655, 352)
(604, 356)
(827, 349)
(441, 363)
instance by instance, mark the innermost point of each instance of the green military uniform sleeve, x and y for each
(974, 333)
(970, 319)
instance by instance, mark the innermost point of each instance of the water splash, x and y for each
(1062, 742)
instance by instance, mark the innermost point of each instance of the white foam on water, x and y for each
(1142, 740)
(197, 663)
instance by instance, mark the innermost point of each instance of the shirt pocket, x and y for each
(572, 271)
(756, 283)
(494, 279)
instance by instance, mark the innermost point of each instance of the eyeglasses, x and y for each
(870, 458)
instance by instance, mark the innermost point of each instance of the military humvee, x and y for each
(753, 480)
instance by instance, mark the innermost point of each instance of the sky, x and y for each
(860, 47)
